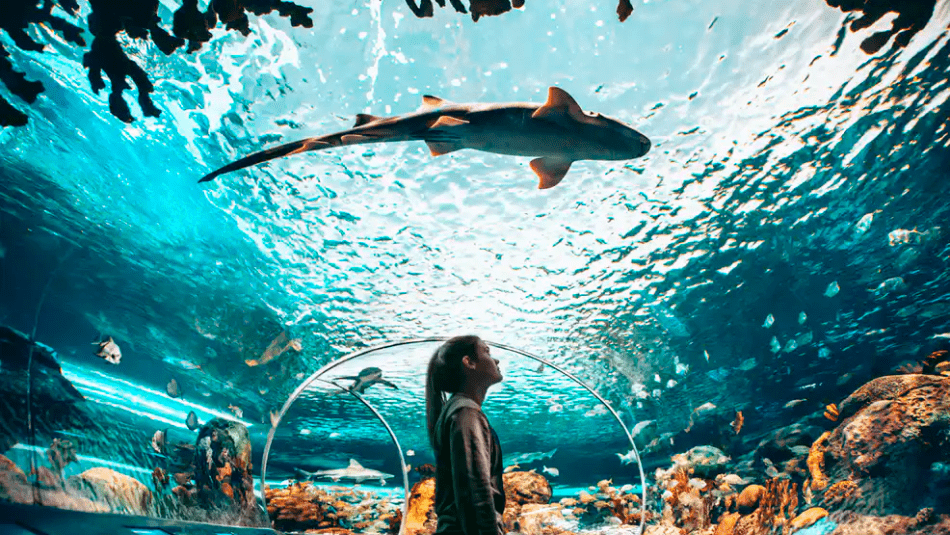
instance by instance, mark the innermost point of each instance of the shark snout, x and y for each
(644, 144)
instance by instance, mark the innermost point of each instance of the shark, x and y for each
(556, 134)
(354, 471)
(367, 378)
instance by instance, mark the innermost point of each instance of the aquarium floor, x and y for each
(38, 520)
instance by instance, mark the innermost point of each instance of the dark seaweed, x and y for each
(139, 20)
(912, 16)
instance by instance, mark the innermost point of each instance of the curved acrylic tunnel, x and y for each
(543, 415)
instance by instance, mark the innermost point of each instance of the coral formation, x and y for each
(898, 428)
(223, 466)
(703, 461)
(121, 493)
(420, 514)
(839, 494)
(749, 498)
(816, 462)
(925, 522)
(526, 487)
(305, 507)
(807, 518)
(883, 388)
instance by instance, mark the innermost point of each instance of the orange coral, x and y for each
(816, 462)
(421, 503)
(840, 492)
(779, 502)
(750, 496)
(727, 524)
(808, 518)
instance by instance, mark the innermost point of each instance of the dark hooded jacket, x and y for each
(469, 491)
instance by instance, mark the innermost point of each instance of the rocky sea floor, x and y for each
(876, 462)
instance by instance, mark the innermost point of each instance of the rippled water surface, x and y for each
(786, 237)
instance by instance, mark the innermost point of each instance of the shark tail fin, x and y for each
(304, 145)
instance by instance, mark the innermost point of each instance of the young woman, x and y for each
(469, 493)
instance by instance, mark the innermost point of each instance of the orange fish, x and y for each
(831, 412)
(932, 360)
(737, 423)
(276, 348)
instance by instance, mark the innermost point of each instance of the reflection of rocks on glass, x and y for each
(912, 16)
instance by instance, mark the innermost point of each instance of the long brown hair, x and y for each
(445, 375)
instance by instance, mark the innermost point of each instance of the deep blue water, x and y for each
(786, 238)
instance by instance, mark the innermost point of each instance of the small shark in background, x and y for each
(355, 471)
(525, 458)
(557, 133)
(367, 378)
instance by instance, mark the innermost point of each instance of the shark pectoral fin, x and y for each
(439, 148)
(448, 120)
(352, 139)
(387, 383)
(550, 171)
(363, 118)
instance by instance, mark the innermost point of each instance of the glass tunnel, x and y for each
(331, 412)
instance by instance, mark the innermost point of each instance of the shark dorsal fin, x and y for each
(363, 118)
(430, 103)
(560, 105)
(354, 464)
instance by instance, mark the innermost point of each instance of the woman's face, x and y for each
(486, 367)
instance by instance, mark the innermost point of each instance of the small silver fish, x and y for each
(274, 418)
(109, 351)
(731, 479)
(192, 421)
(511, 468)
(629, 457)
(236, 410)
(640, 426)
(410, 453)
(843, 380)
(551, 470)
(172, 389)
(794, 403)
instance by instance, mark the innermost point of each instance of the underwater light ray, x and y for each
(168, 410)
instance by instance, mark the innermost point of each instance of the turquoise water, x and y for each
(785, 238)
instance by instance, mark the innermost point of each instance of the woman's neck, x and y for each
(475, 393)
